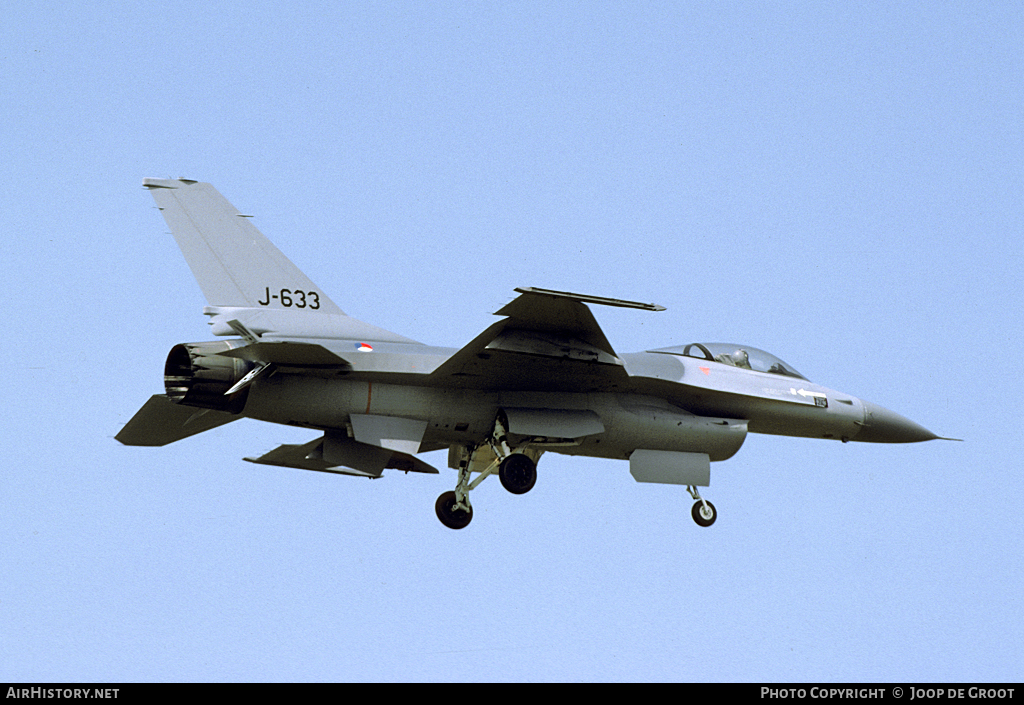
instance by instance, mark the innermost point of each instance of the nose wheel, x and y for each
(703, 512)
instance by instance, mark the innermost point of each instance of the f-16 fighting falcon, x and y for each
(543, 378)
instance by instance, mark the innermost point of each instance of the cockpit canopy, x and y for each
(744, 356)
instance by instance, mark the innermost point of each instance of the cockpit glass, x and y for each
(743, 356)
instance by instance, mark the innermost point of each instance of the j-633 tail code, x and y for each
(291, 297)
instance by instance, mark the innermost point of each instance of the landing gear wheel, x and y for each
(449, 515)
(704, 516)
(518, 474)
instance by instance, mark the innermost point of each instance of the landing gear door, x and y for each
(553, 423)
(668, 467)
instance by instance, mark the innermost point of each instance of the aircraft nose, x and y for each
(884, 426)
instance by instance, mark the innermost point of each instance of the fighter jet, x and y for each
(543, 378)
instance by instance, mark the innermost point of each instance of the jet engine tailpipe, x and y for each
(196, 374)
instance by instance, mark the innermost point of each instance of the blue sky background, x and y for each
(839, 184)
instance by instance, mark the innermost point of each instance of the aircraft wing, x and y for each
(549, 339)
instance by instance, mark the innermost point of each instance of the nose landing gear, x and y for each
(703, 512)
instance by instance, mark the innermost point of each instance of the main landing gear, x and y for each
(516, 470)
(518, 474)
(451, 512)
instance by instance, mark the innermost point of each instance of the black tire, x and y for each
(698, 514)
(450, 516)
(518, 474)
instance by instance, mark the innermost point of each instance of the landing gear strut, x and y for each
(516, 470)
(453, 508)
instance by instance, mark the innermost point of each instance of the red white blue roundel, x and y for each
(364, 347)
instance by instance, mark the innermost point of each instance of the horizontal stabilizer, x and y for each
(337, 453)
(161, 421)
(308, 456)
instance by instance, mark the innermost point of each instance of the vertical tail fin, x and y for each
(234, 263)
